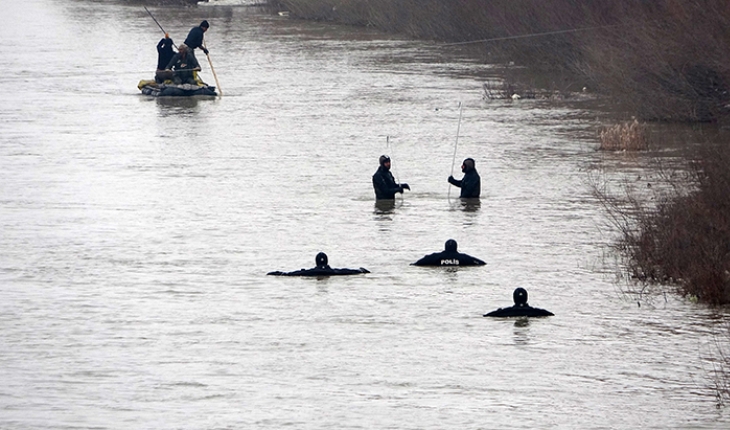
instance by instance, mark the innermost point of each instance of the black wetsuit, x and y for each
(321, 271)
(449, 258)
(470, 184)
(384, 185)
(520, 310)
(164, 53)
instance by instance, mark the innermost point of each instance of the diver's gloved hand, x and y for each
(451, 178)
(205, 51)
(405, 187)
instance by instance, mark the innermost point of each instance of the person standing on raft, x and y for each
(383, 182)
(471, 183)
(164, 55)
(195, 38)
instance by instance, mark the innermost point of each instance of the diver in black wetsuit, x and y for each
(384, 183)
(520, 308)
(471, 183)
(322, 269)
(449, 257)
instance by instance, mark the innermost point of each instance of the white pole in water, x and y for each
(392, 166)
(456, 145)
(390, 152)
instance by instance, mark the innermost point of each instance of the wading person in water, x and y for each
(321, 269)
(164, 55)
(449, 257)
(195, 38)
(520, 308)
(471, 183)
(383, 182)
(184, 65)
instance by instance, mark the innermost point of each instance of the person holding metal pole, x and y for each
(471, 183)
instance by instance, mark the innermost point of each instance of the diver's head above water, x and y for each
(321, 260)
(520, 296)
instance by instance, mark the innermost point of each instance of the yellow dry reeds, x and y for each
(629, 136)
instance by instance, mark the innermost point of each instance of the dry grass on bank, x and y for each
(629, 136)
(684, 238)
(662, 59)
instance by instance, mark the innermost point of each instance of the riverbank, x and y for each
(651, 58)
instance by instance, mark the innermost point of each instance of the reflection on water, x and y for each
(470, 205)
(521, 322)
(136, 235)
(385, 207)
(181, 102)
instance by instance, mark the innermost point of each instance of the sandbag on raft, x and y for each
(322, 269)
(172, 90)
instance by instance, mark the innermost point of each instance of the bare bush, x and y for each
(683, 237)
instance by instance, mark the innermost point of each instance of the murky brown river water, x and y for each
(137, 232)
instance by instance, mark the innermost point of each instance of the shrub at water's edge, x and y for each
(684, 239)
(662, 59)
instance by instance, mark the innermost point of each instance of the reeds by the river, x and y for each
(627, 136)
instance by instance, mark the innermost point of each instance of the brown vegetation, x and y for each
(684, 238)
(661, 59)
(628, 136)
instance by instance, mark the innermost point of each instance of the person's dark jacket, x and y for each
(164, 53)
(384, 184)
(449, 258)
(470, 184)
(195, 38)
(184, 67)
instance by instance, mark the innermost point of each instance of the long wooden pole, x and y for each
(158, 24)
(217, 84)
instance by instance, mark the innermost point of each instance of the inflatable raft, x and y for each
(169, 89)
